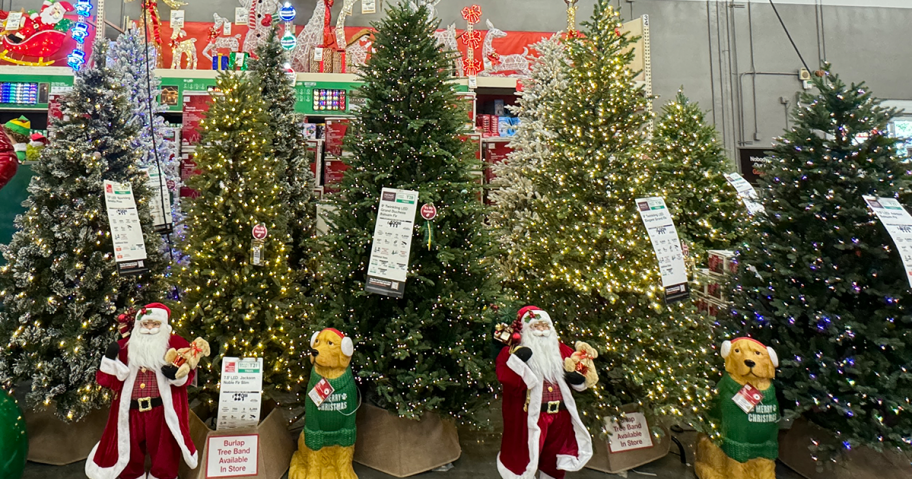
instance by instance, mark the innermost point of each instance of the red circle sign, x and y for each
(260, 231)
(428, 212)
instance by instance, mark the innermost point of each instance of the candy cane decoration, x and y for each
(472, 38)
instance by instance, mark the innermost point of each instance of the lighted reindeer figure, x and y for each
(446, 40)
(309, 38)
(518, 62)
(179, 48)
(216, 43)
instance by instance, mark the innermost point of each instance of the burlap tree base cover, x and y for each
(859, 463)
(402, 447)
(52, 441)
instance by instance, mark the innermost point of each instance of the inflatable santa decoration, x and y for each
(542, 428)
(150, 404)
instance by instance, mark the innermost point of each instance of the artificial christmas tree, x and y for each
(60, 287)
(237, 285)
(134, 60)
(513, 189)
(690, 164)
(424, 352)
(820, 277)
(588, 259)
(289, 148)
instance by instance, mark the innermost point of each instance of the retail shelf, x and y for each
(497, 139)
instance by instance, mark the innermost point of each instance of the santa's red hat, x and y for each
(156, 311)
(528, 314)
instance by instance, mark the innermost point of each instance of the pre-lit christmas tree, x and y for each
(289, 147)
(60, 287)
(514, 191)
(588, 259)
(236, 291)
(134, 60)
(690, 164)
(424, 352)
(822, 281)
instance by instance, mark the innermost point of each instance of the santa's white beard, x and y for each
(148, 350)
(546, 358)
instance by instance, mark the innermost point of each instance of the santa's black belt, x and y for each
(553, 407)
(145, 404)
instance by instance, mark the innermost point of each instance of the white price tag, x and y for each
(13, 21)
(746, 192)
(667, 246)
(368, 6)
(160, 201)
(240, 16)
(126, 230)
(226, 28)
(318, 54)
(898, 223)
(388, 266)
(177, 19)
(240, 400)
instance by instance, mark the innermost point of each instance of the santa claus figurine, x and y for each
(150, 409)
(542, 427)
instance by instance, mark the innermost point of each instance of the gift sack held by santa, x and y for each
(149, 414)
(542, 428)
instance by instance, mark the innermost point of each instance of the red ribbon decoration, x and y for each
(472, 39)
(472, 14)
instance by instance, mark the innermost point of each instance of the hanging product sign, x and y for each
(239, 393)
(898, 223)
(629, 433)
(126, 231)
(13, 21)
(177, 19)
(240, 16)
(259, 241)
(667, 246)
(388, 267)
(428, 212)
(160, 201)
(746, 192)
(232, 456)
(368, 6)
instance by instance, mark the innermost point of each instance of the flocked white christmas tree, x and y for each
(514, 190)
(134, 60)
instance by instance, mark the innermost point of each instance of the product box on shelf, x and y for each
(315, 152)
(721, 262)
(494, 152)
(334, 134)
(333, 172)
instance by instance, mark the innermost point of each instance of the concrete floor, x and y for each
(479, 453)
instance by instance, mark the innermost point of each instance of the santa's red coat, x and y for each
(518, 457)
(109, 457)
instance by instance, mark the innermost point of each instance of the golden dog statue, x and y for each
(749, 416)
(327, 443)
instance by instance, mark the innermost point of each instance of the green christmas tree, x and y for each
(60, 287)
(822, 281)
(590, 262)
(690, 165)
(289, 147)
(424, 352)
(237, 289)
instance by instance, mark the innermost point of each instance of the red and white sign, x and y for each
(320, 392)
(260, 231)
(748, 398)
(232, 456)
(429, 211)
(629, 433)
